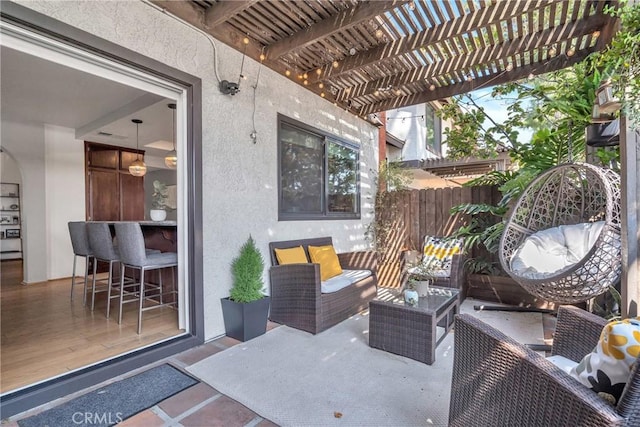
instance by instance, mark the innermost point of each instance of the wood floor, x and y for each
(44, 334)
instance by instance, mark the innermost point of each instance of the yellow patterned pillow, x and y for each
(607, 368)
(294, 255)
(328, 260)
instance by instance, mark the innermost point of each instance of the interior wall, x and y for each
(240, 180)
(65, 197)
(25, 142)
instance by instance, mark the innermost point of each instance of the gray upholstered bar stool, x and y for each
(81, 248)
(133, 255)
(104, 250)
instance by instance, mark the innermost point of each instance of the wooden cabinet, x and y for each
(113, 194)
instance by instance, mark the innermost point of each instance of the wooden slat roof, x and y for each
(371, 56)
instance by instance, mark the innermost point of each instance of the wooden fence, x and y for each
(408, 216)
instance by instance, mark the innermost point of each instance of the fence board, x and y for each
(411, 215)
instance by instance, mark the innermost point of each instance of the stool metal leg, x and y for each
(141, 300)
(73, 275)
(109, 284)
(86, 278)
(122, 268)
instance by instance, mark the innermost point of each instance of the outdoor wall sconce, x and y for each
(229, 88)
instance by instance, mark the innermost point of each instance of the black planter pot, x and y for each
(244, 321)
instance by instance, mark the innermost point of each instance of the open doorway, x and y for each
(51, 105)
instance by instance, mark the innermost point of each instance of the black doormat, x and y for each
(118, 401)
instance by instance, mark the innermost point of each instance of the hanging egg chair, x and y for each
(562, 240)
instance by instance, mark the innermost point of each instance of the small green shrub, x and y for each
(247, 271)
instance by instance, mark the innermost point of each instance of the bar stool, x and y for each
(133, 255)
(104, 250)
(81, 248)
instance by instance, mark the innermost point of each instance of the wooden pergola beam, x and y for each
(323, 29)
(500, 11)
(480, 57)
(224, 10)
(556, 63)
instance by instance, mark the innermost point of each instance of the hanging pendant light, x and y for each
(137, 168)
(171, 158)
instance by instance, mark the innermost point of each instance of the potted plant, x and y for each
(159, 201)
(246, 310)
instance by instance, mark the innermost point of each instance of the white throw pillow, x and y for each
(548, 252)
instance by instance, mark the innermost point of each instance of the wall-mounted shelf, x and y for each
(10, 221)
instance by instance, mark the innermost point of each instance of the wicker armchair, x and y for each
(499, 382)
(296, 297)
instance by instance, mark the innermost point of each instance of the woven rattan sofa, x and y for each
(499, 382)
(296, 297)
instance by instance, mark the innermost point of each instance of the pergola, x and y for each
(372, 56)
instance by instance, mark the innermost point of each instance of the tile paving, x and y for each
(202, 405)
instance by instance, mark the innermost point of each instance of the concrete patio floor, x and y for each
(200, 405)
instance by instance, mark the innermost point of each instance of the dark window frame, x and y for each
(327, 138)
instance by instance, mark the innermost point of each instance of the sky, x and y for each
(497, 109)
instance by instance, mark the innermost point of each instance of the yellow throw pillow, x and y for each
(328, 260)
(294, 255)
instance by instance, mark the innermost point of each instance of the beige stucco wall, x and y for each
(239, 177)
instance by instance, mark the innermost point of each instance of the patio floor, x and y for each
(202, 405)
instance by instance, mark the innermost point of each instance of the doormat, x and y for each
(115, 402)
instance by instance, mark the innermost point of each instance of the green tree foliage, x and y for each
(247, 271)
(620, 62)
(557, 107)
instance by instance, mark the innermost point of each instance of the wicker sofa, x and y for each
(499, 382)
(296, 297)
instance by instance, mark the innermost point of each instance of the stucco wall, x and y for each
(239, 177)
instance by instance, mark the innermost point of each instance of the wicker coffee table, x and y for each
(411, 331)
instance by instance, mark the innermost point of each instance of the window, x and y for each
(319, 176)
(430, 125)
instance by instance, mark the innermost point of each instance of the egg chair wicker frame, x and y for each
(569, 194)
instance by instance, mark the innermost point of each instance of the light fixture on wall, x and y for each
(171, 158)
(137, 167)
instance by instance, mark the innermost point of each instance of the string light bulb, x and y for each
(287, 73)
(509, 66)
(552, 51)
(335, 64)
(322, 94)
(319, 71)
(262, 57)
(306, 82)
(596, 34)
(432, 87)
(320, 85)
(245, 40)
(379, 33)
(571, 52)
(305, 76)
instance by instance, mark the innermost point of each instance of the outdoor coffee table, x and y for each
(411, 331)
